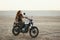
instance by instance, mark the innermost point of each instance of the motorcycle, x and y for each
(33, 30)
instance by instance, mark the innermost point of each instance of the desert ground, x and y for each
(49, 28)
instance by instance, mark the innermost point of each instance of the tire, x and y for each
(15, 29)
(33, 36)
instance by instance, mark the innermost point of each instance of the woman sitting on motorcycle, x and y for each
(19, 18)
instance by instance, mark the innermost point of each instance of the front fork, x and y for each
(30, 26)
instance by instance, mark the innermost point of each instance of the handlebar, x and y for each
(28, 18)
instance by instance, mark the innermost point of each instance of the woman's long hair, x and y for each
(19, 12)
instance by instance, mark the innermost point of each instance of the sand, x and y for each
(49, 28)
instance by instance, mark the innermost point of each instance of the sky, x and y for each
(31, 13)
(30, 4)
(38, 7)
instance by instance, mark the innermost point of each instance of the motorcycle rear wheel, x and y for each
(15, 30)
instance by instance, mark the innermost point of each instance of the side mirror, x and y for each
(24, 13)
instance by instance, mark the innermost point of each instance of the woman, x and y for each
(19, 17)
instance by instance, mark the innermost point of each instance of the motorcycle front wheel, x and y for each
(15, 30)
(34, 32)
